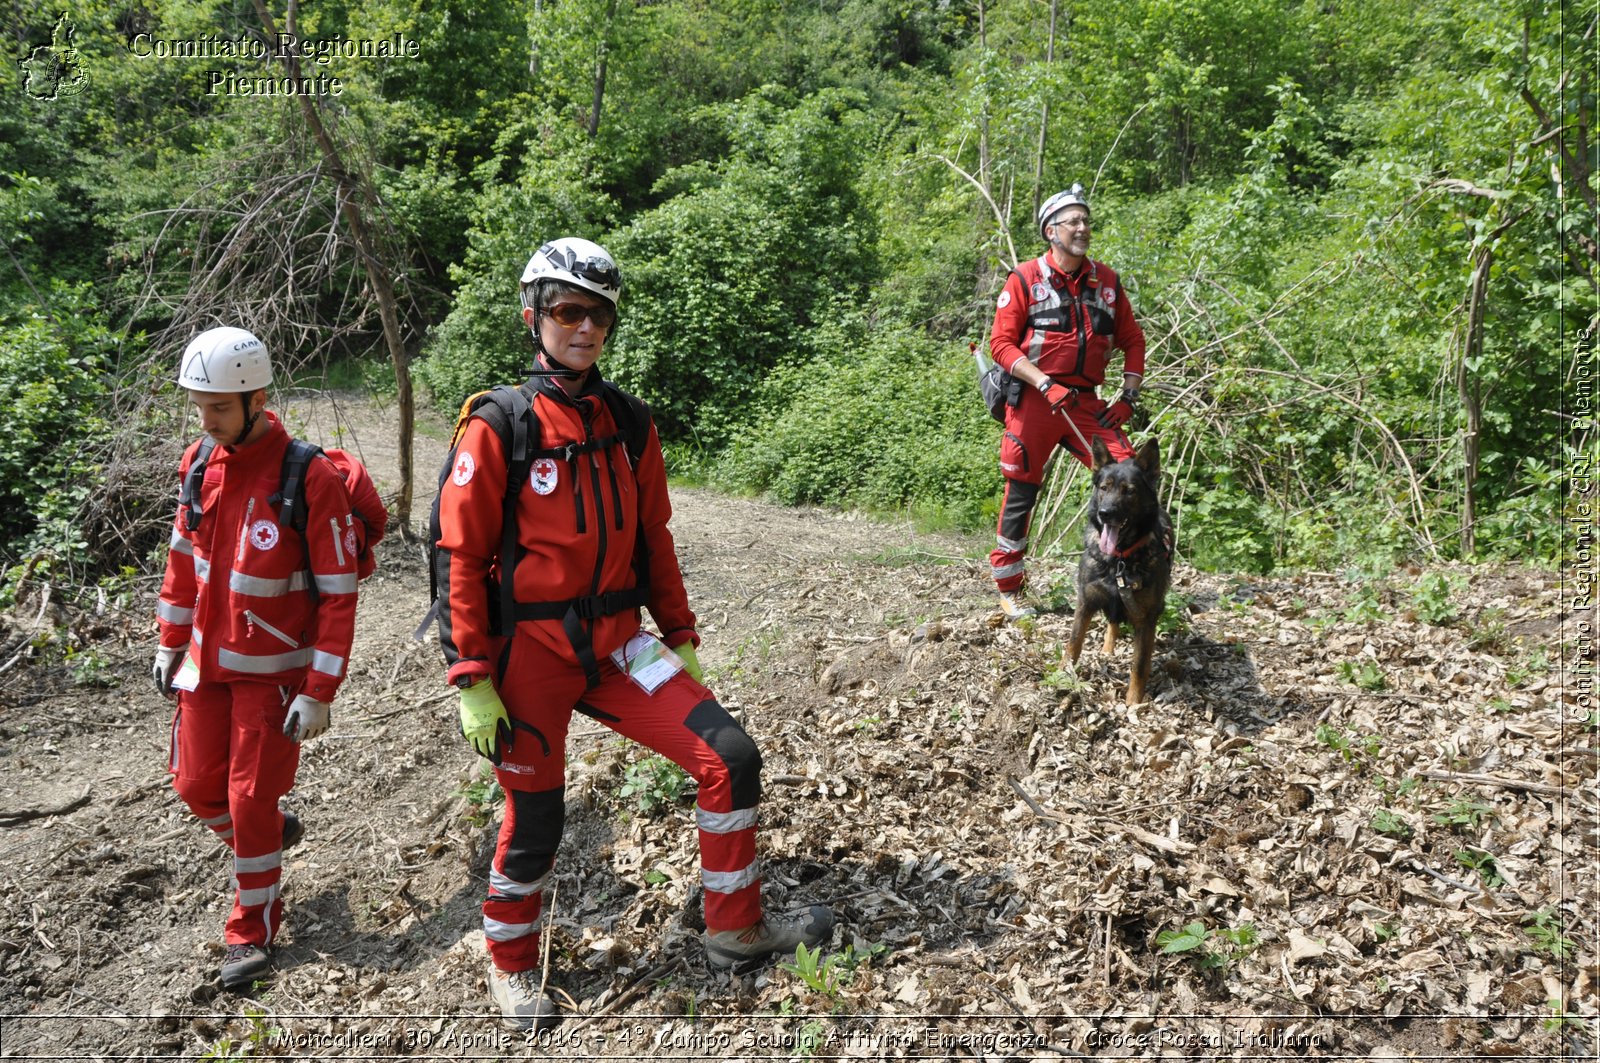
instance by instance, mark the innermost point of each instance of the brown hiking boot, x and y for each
(775, 933)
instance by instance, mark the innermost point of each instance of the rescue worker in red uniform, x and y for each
(589, 525)
(256, 624)
(1055, 324)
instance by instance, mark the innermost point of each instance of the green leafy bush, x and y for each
(895, 424)
(53, 383)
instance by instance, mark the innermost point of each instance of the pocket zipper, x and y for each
(252, 621)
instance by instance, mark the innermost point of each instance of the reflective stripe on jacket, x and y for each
(240, 586)
(1066, 325)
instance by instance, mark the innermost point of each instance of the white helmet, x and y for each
(1072, 197)
(225, 359)
(575, 261)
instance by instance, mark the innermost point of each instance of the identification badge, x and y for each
(646, 660)
(188, 676)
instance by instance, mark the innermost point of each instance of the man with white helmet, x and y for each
(256, 623)
(1055, 324)
(588, 534)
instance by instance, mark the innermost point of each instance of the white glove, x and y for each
(168, 660)
(306, 718)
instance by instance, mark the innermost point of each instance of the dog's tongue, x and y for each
(1108, 538)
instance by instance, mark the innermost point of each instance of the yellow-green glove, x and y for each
(484, 721)
(691, 661)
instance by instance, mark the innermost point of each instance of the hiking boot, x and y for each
(244, 964)
(775, 933)
(520, 1000)
(1014, 605)
(293, 830)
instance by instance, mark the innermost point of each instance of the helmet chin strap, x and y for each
(250, 420)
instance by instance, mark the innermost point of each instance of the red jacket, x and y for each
(238, 587)
(578, 523)
(1066, 325)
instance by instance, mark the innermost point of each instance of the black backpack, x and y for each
(509, 411)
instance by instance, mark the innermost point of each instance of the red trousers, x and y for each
(230, 763)
(682, 721)
(1033, 432)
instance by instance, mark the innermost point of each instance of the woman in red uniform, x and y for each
(592, 548)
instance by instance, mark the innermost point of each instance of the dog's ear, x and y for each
(1100, 454)
(1148, 458)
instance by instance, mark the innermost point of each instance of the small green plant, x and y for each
(1061, 680)
(1194, 940)
(1463, 812)
(483, 796)
(1536, 666)
(1405, 787)
(809, 1038)
(90, 669)
(654, 784)
(1483, 863)
(1433, 598)
(1560, 1020)
(1500, 705)
(1175, 615)
(1367, 676)
(818, 975)
(1488, 633)
(1336, 740)
(1385, 932)
(1390, 823)
(1367, 606)
(1547, 931)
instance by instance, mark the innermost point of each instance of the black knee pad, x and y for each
(711, 722)
(536, 825)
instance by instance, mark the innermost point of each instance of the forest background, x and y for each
(1361, 239)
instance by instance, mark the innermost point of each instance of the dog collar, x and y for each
(1135, 548)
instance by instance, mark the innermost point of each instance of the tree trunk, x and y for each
(533, 44)
(600, 72)
(356, 189)
(1467, 389)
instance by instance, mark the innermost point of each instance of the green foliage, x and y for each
(54, 364)
(1463, 812)
(1547, 930)
(739, 272)
(823, 437)
(484, 798)
(1483, 863)
(1366, 675)
(1389, 822)
(1194, 942)
(1433, 598)
(654, 784)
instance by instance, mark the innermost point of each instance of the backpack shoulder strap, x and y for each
(290, 497)
(632, 415)
(189, 492)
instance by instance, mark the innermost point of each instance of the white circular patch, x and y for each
(543, 476)
(1041, 292)
(263, 535)
(1005, 299)
(1109, 295)
(461, 475)
(350, 542)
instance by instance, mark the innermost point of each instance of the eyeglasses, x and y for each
(571, 315)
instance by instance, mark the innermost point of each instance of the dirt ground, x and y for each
(1339, 830)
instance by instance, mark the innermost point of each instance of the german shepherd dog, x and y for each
(1127, 557)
